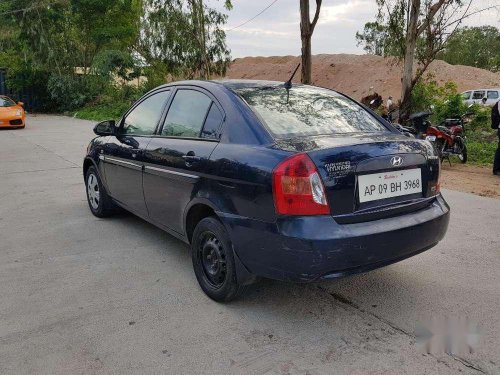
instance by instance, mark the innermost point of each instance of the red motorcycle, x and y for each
(448, 138)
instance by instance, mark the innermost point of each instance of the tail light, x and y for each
(298, 189)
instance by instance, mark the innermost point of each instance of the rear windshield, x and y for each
(309, 111)
(6, 102)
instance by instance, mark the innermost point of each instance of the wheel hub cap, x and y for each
(213, 259)
(93, 191)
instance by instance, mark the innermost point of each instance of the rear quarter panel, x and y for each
(242, 185)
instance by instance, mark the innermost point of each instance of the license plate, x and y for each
(389, 184)
(431, 138)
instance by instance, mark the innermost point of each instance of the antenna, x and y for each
(288, 84)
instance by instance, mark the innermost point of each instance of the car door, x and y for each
(123, 154)
(492, 97)
(178, 157)
(477, 96)
(466, 96)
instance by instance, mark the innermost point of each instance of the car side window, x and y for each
(144, 118)
(466, 95)
(212, 123)
(187, 114)
(478, 95)
(492, 95)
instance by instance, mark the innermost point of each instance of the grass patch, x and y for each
(101, 112)
(481, 153)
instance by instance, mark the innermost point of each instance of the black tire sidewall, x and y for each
(464, 151)
(230, 288)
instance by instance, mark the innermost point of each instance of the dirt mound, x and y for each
(354, 74)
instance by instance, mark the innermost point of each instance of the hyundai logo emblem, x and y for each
(396, 161)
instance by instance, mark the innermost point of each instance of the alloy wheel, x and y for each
(93, 191)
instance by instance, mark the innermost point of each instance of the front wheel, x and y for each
(100, 203)
(213, 261)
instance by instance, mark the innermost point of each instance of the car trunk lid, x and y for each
(400, 173)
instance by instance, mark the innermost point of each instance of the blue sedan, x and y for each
(263, 179)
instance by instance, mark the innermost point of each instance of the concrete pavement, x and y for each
(81, 295)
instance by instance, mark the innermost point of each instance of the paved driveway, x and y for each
(80, 295)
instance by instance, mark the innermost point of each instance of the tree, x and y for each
(306, 31)
(65, 34)
(474, 46)
(184, 38)
(416, 31)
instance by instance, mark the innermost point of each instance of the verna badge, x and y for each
(396, 161)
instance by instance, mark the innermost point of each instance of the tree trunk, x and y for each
(411, 43)
(306, 31)
(306, 60)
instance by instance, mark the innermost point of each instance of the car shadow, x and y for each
(282, 298)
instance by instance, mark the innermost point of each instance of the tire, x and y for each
(213, 261)
(100, 203)
(463, 155)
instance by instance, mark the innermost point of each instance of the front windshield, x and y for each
(6, 102)
(309, 111)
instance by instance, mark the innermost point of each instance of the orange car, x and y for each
(12, 114)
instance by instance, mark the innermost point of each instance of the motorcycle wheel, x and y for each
(438, 148)
(462, 155)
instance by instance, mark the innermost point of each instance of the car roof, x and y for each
(232, 84)
(236, 84)
(490, 89)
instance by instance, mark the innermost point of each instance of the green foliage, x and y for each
(65, 91)
(111, 103)
(68, 92)
(481, 153)
(185, 38)
(101, 112)
(446, 102)
(384, 38)
(109, 62)
(474, 46)
(71, 51)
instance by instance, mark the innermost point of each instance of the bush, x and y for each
(69, 92)
(112, 103)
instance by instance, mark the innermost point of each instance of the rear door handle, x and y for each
(191, 158)
(136, 152)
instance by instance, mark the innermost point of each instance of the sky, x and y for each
(276, 32)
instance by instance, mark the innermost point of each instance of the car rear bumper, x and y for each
(302, 249)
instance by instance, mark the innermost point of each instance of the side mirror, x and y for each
(21, 104)
(105, 128)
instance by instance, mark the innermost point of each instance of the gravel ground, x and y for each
(81, 295)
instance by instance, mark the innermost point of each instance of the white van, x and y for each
(476, 96)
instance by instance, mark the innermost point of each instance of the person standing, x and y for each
(495, 124)
(389, 105)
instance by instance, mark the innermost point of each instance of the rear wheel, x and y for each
(213, 261)
(461, 149)
(100, 203)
